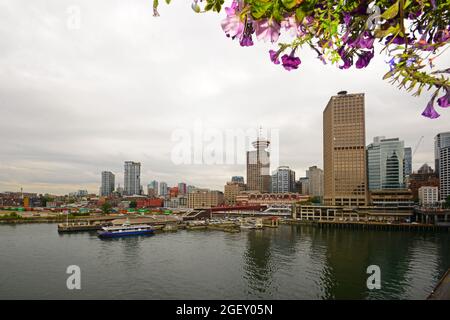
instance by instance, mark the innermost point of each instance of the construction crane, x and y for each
(417, 145)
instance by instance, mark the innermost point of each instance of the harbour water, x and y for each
(289, 262)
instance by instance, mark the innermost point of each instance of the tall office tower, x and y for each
(385, 159)
(303, 186)
(258, 167)
(152, 188)
(132, 178)
(441, 140)
(407, 163)
(182, 188)
(444, 172)
(108, 184)
(315, 178)
(283, 180)
(344, 151)
(163, 189)
(237, 179)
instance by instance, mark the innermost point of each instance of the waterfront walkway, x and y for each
(442, 290)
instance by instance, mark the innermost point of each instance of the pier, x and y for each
(442, 289)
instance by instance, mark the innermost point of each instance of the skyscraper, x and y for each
(315, 179)
(441, 140)
(108, 184)
(385, 160)
(283, 180)
(444, 171)
(182, 188)
(163, 189)
(132, 178)
(407, 163)
(258, 167)
(344, 150)
(152, 189)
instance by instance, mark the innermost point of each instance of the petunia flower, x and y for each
(346, 58)
(364, 59)
(444, 101)
(274, 56)
(290, 62)
(290, 25)
(232, 25)
(429, 111)
(267, 29)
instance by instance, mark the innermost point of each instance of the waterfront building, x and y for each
(163, 189)
(424, 177)
(237, 179)
(205, 198)
(232, 190)
(182, 188)
(179, 202)
(385, 160)
(428, 196)
(344, 151)
(132, 178)
(345, 214)
(283, 180)
(315, 179)
(258, 166)
(444, 172)
(441, 140)
(252, 198)
(391, 198)
(303, 186)
(108, 184)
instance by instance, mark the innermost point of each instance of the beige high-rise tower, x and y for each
(258, 167)
(344, 151)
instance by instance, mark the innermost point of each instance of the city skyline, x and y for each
(76, 102)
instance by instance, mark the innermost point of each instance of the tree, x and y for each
(413, 34)
(106, 207)
(133, 204)
(447, 202)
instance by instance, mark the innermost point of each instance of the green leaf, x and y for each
(300, 14)
(391, 12)
(260, 8)
(214, 5)
(289, 4)
(168, 1)
(383, 33)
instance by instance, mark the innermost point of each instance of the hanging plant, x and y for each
(413, 33)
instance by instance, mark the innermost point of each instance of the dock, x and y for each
(369, 225)
(442, 289)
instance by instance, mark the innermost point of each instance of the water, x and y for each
(290, 262)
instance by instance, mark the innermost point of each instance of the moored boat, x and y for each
(126, 230)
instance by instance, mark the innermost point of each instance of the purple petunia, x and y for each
(444, 101)
(346, 58)
(290, 62)
(267, 29)
(232, 25)
(364, 59)
(274, 56)
(429, 111)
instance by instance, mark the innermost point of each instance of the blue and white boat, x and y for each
(126, 230)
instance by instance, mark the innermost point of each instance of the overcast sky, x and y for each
(75, 102)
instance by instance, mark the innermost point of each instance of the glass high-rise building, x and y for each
(344, 151)
(132, 178)
(407, 163)
(444, 172)
(163, 189)
(385, 160)
(441, 140)
(283, 180)
(108, 184)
